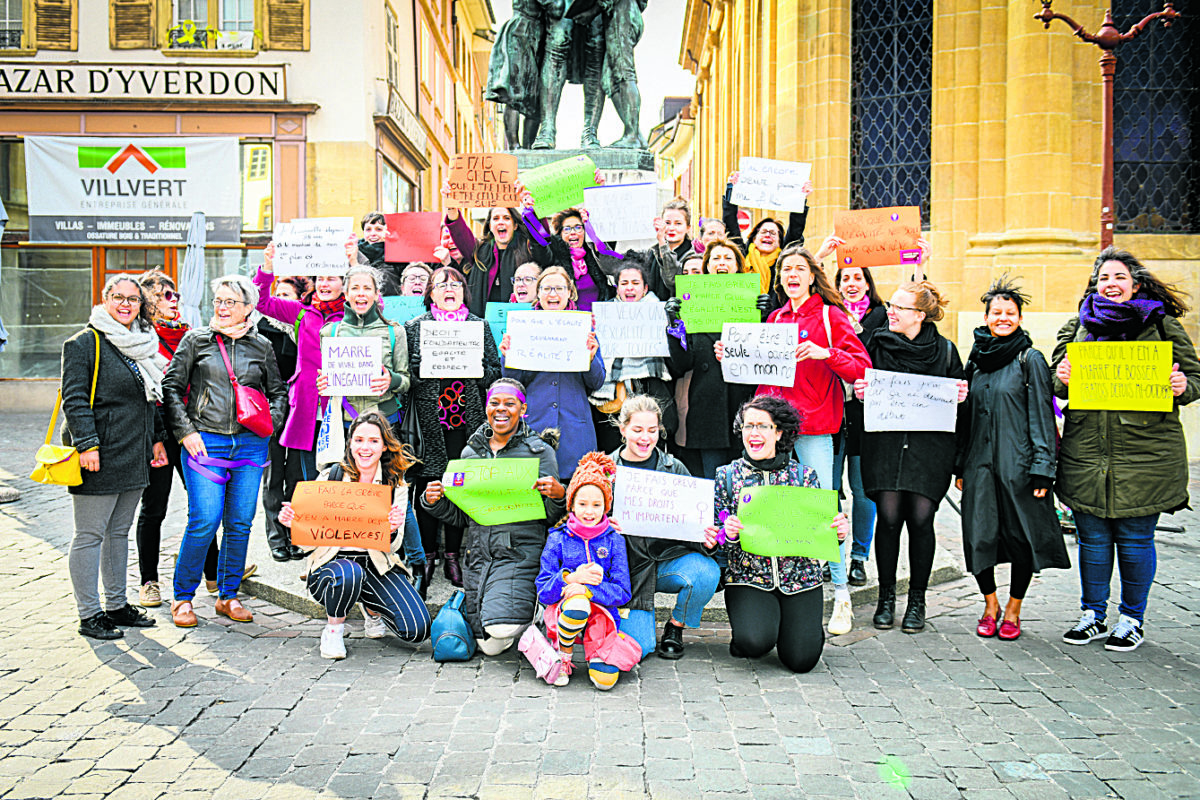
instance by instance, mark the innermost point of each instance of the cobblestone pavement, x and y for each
(251, 711)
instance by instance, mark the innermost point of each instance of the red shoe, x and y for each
(986, 627)
(1010, 630)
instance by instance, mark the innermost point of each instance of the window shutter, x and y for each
(131, 24)
(55, 24)
(287, 24)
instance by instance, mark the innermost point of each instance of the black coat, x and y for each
(912, 461)
(873, 320)
(1006, 437)
(712, 403)
(283, 345)
(596, 265)
(121, 422)
(426, 390)
(521, 250)
(661, 265)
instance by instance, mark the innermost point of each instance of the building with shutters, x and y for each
(336, 108)
(972, 111)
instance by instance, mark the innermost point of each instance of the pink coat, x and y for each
(300, 430)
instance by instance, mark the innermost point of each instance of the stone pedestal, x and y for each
(606, 158)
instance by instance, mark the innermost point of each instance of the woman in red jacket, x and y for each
(829, 353)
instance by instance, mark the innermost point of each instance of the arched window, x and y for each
(892, 58)
(1156, 125)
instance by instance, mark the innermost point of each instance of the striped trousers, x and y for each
(346, 580)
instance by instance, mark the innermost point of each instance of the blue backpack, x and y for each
(451, 635)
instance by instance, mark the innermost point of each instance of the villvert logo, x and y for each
(113, 158)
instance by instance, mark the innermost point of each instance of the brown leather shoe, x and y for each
(182, 614)
(233, 609)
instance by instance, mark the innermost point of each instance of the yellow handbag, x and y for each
(58, 464)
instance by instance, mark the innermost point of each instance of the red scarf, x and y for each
(169, 334)
(330, 307)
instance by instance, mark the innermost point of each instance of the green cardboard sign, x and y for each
(496, 490)
(401, 309)
(559, 184)
(496, 315)
(789, 521)
(709, 301)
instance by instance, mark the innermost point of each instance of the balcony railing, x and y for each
(11, 39)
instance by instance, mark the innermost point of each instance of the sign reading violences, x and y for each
(342, 514)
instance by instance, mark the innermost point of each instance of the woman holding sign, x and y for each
(570, 245)
(1120, 468)
(339, 577)
(907, 473)
(774, 602)
(767, 237)
(448, 408)
(205, 404)
(506, 244)
(560, 399)
(1006, 461)
(502, 560)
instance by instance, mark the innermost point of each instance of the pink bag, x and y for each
(545, 659)
(620, 651)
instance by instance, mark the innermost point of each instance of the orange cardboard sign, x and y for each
(483, 180)
(878, 237)
(342, 514)
(412, 235)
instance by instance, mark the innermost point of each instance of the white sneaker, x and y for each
(564, 675)
(373, 627)
(842, 619)
(333, 645)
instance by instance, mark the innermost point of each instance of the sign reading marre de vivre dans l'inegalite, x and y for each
(132, 190)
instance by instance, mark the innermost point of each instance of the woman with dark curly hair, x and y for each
(773, 601)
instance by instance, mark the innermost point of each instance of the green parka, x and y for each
(1117, 464)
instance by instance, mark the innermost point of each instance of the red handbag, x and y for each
(253, 409)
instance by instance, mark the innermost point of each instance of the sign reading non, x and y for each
(312, 246)
(878, 237)
(767, 183)
(548, 341)
(1120, 376)
(789, 521)
(342, 514)
(483, 180)
(662, 505)
(452, 349)
(761, 354)
(631, 330)
(902, 401)
(709, 301)
(132, 190)
(349, 363)
(496, 490)
(623, 212)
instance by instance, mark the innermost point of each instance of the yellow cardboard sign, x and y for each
(1120, 376)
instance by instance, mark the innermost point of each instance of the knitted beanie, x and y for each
(595, 469)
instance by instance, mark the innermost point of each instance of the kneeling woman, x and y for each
(339, 577)
(773, 602)
(502, 561)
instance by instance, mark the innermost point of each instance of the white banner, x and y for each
(548, 341)
(196, 83)
(662, 505)
(760, 354)
(767, 183)
(312, 246)
(451, 349)
(902, 401)
(125, 190)
(622, 212)
(350, 363)
(631, 330)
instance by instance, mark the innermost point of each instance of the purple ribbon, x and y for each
(535, 227)
(678, 330)
(1057, 411)
(200, 464)
(601, 247)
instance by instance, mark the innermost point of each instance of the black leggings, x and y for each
(791, 623)
(893, 511)
(428, 524)
(1019, 581)
(154, 510)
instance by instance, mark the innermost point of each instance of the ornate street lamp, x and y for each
(1107, 39)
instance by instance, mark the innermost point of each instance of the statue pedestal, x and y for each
(608, 159)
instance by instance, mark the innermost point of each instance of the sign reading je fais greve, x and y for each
(22, 80)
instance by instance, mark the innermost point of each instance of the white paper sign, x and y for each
(901, 401)
(349, 363)
(452, 349)
(314, 246)
(548, 341)
(767, 183)
(661, 505)
(760, 354)
(623, 211)
(631, 330)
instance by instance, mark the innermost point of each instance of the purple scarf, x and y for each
(1106, 320)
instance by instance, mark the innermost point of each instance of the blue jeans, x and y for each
(693, 579)
(229, 506)
(713, 457)
(816, 452)
(862, 511)
(1136, 559)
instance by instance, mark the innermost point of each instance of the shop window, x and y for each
(217, 263)
(395, 192)
(12, 184)
(257, 186)
(891, 89)
(1156, 126)
(45, 298)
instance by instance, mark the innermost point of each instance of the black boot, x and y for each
(430, 570)
(914, 615)
(857, 576)
(671, 644)
(885, 611)
(452, 570)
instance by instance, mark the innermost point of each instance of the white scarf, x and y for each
(139, 344)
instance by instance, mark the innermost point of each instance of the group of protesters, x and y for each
(240, 403)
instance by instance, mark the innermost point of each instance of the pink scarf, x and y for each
(584, 531)
(860, 308)
(457, 315)
(577, 261)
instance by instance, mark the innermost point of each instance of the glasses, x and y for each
(890, 306)
(221, 302)
(572, 229)
(170, 295)
(758, 427)
(554, 289)
(525, 280)
(122, 300)
(448, 285)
